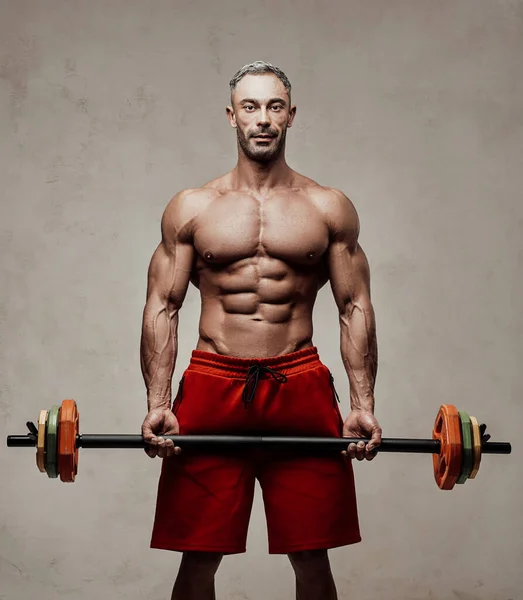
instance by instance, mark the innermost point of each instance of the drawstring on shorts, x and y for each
(253, 376)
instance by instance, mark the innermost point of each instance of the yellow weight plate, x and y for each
(476, 438)
(40, 443)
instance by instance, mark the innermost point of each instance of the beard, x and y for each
(261, 154)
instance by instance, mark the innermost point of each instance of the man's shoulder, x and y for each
(188, 203)
(180, 214)
(330, 196)
(334, 204)
(197, 197)
(194, 196)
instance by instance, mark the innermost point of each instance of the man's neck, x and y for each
(261, 177)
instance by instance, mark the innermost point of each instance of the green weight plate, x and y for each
(468, 447)
(51, 462)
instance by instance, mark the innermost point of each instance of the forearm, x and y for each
(158, 351)
(359, 351)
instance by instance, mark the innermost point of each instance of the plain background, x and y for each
(414, 110)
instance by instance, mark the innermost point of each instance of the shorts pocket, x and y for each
(336, 402)
(179, 396)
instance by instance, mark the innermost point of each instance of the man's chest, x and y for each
(288, 228)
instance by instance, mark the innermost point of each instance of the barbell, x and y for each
(457, 444)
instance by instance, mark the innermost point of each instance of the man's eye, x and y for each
(277, 107)
(249, 107)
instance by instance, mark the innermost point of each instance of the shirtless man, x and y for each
(258, 242)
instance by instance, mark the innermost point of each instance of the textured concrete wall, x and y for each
(413, 108)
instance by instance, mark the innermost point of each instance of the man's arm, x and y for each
(167, 283)
(350, 283)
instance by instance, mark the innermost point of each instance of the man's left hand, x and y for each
(362, 424)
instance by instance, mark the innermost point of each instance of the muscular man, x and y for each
(258, 242)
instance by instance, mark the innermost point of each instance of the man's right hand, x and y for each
(158, 422)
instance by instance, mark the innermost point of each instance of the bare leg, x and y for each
(313, 575)
(195, 580)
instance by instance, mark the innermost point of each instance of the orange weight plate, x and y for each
(447, 429)
(68, 429)
(40, 441)
(476, 442)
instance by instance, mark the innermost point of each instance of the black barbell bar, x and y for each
(226, 442)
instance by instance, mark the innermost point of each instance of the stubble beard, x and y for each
(261, 154)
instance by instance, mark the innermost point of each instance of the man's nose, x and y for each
(263, 117)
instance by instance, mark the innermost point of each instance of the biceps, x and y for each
(169, 275)
(349, 277)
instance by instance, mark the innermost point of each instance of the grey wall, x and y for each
(413, 108)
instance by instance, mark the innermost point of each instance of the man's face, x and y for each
(261, 113)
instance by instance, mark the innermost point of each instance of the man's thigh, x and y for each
(204, 504)
(310, 503)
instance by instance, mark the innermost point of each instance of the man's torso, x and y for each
(260, 260)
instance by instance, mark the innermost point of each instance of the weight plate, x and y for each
(51, 462)
(40, 441)
(68, 429)
(447, 464)
(467, 461)
(476, 440)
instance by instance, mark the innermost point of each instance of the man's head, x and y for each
(261, 110)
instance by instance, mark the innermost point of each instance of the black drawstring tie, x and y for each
(253, 376)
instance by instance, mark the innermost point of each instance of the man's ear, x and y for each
(292, 114)
(231, 116)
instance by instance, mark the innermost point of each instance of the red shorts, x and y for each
(204, 501)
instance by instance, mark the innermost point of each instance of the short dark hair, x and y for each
(260, 67)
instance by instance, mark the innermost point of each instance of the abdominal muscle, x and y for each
(256, 308)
